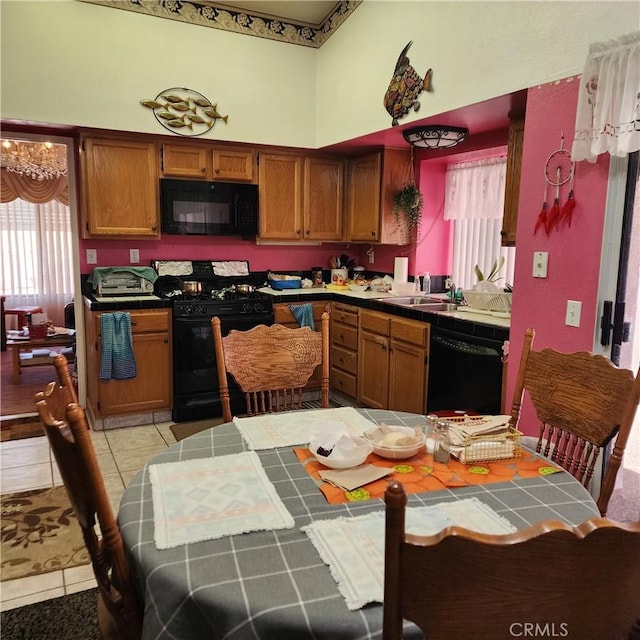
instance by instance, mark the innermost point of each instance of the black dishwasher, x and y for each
(465, 372)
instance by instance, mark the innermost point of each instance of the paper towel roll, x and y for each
(401, 270)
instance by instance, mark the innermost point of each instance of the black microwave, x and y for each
(201, 208)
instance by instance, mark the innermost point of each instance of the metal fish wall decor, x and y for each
(404, 88)
(184, 111)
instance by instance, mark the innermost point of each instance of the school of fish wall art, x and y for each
(405, 87)
(184, 111)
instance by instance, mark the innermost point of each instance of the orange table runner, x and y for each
(420, 473)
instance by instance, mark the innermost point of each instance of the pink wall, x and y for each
(574, 253)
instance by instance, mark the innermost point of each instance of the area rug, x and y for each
(182, 430)
(39, 534)
(23, 427)
(65, 618)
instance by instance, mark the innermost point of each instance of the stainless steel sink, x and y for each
(435, 306)
(422, 303)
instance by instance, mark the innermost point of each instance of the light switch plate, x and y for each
(540, 264)
(92, 256)
(574, 309)
(134, 256)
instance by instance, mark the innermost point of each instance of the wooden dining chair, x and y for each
(579, 583)
(271, 365)
(582, 401)
(119, 613)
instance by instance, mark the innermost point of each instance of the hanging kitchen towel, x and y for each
(117, 360)
(303, 313)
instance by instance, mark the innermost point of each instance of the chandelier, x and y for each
(435, 136)
(37, 160)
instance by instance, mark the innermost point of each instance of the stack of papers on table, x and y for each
(354, 547)
(482, 438)
(290, 428)
(205, 499)
(481, 426)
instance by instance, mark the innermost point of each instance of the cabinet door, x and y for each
(233, 164)
(120, 183)
(363, 198)
(512, 183)
(407, 377)
(396, 172)
(323, 197)
(151, 389)
(280, 179)
(373, 370)
(184, 161)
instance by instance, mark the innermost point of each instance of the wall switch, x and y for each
(574, 308)
(134, 256)
(540, 262)
(92, 256)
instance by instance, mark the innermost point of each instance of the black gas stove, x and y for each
(227, 290)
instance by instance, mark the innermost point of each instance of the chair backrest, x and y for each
(64, 376)
(575, 582)
(582, 401)
(271, 365)
(119, 614)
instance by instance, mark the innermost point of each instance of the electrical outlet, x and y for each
(574, 309)
(134, 256)
(92, 256)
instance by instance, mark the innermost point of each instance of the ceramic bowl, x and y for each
(345, 463)
(358, 287)
(399, 452)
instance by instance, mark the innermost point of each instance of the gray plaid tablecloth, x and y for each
(272, 585)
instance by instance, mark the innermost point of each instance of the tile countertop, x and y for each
(370, 297)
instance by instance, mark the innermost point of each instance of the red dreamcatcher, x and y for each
(559, 170)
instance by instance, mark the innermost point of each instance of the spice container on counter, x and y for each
(442, 443)
(316, 276)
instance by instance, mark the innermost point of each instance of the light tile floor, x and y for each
(29, 464)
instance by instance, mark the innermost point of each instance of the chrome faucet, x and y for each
(451, 286)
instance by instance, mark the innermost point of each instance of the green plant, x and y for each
(493, 274)
(407, 208)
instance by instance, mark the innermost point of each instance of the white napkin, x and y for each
(343, 440)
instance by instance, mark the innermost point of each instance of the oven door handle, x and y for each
(462, 346)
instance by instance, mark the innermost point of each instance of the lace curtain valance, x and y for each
(14, 186)
(608, 114)
(475, 190)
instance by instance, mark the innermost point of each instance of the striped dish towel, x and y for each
(303, 313)
(117, 360)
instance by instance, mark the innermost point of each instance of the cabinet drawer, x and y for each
(345, 336)
(282, 314)
(344, 382)
(344, 359)
(375, 322)
(346, 315)
(144, 322)
(410, 331)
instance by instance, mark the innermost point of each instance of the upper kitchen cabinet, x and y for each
(280, 180)
(210, 162)
(323, 198)
(512, 182)
(372, 183)
(120, 188)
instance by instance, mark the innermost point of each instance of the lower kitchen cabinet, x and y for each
(392, 362)
(151, 389)
(282, 315)
(344, 349)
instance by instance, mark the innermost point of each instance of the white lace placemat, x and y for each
(209, 498)
(354, 547)
(295, 427)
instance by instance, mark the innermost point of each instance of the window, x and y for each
(474, 200)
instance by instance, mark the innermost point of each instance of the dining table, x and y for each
(273, 583)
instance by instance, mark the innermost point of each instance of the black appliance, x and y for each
(195, 374)
(465, 372)
(198, 207)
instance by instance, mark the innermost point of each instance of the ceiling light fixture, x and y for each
(435, 136)
(37, 160)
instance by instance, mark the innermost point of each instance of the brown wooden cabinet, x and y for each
(372, 183)
(120, 188)
(344, 349)
(301, 197)
(392, 362)
(152, 388)
(210, 162)
(512, 182)
(282, 315)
